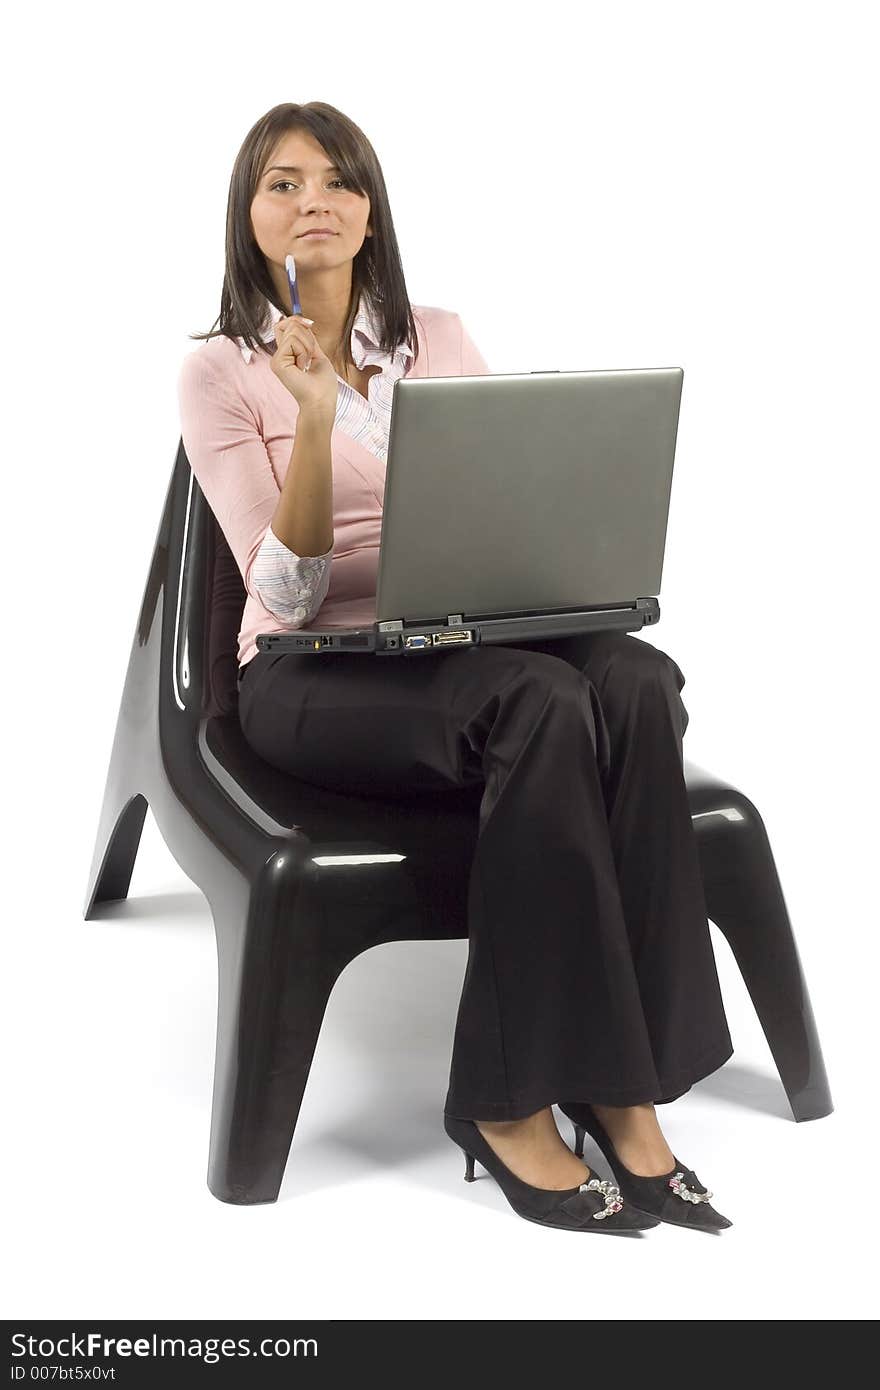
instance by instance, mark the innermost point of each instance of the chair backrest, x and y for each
(212, 595)
(225, 598)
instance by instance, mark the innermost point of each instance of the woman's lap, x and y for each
(391, 723)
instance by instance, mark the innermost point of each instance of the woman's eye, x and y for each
(286, 183)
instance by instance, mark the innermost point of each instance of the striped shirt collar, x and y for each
(365, 333)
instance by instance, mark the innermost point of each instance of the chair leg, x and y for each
(277, 966)
(116, 847)
(744, 899)
(127, 785)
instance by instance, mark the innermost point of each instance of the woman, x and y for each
(591, 981)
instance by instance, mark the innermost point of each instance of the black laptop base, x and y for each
(396, 639)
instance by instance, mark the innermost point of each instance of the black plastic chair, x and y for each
(286, 923)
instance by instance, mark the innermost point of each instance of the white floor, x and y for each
(107, 1211)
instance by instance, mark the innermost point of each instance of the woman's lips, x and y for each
(306, 235)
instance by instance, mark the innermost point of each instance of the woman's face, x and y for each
(291, 200)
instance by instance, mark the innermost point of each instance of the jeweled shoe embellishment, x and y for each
(677, 1183)
(610, 1191)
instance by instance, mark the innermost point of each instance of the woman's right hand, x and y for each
(302, 366)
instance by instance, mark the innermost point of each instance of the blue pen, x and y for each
(291, 280)
(294, 296)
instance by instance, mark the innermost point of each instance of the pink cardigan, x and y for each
(238, 425)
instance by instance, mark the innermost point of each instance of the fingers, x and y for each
(301, 344)
(296, 321)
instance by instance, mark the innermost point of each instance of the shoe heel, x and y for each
(468, 1166)
(579, 1133)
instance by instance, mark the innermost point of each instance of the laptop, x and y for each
(516, 507)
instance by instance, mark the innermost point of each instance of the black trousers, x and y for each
(590, 972)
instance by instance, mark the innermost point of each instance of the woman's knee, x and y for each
(634, 660)
(571, 693)
(627, 667)
(549, 674)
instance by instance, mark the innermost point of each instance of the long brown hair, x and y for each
(376, 270)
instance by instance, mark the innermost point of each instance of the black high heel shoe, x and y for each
(677, 1197)
(596, 1205)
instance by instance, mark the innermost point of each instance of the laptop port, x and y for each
(415, 641)
(442, 639)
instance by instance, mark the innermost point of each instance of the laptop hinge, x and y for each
(396, 624)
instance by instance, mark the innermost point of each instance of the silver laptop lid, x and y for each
(526, 491)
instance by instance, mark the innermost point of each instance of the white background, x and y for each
(589, 186)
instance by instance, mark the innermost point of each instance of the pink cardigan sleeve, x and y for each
(472, 361)
(231, 465)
